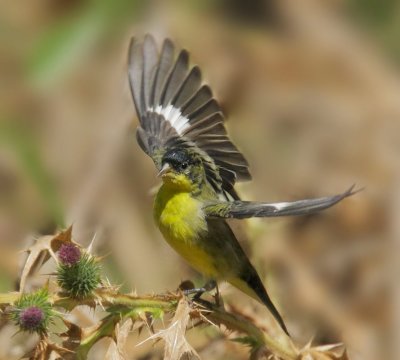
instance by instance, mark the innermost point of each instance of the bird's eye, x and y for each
(184, 165)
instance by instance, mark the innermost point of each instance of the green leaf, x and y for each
(247, 340)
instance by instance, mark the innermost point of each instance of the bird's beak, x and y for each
(165, 169)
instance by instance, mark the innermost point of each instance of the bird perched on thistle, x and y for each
(182, 129)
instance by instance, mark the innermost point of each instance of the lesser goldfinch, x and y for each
(182, 129)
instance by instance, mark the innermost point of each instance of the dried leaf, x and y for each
(176, 344)
(262, 353)
(40, 252)
(324, 352)
(73, 336)
(116, 349)
(44, 350)
(113, 352)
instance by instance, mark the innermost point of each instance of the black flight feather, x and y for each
(175, 109)
(249, 209)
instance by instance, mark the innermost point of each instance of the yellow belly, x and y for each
(181, 221)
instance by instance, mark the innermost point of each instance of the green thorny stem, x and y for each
(123, 306)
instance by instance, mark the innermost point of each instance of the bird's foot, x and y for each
(188, 288)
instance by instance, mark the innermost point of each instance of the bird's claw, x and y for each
(198, 292)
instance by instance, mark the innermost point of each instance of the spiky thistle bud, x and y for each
(69, 254)
(31, 317)
(33, 312)
(80, 278)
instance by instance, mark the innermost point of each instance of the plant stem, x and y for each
(126, 305)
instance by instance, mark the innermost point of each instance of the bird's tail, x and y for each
(250, 283)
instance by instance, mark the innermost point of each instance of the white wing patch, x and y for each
(173, 116)
(280, 206)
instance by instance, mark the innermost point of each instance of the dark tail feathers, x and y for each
(254, 281)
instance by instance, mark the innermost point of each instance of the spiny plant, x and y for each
(77, 274)
(79, 282)
(33, 312)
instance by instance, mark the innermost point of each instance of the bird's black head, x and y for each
(179, 159)
(182, 169)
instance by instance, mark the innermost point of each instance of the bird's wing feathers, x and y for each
(248, 209)
(175, 108)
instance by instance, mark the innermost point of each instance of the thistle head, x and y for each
(33, 312)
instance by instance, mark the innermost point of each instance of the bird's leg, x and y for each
(208, 286)
(217, 296)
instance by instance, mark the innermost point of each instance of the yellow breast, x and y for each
(180, 219)
(178, 215)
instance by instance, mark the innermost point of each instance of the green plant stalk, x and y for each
(110, 298)
(125, 305)
(105, 330)
(10, 298)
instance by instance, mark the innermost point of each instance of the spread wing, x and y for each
(176, 109)
(249, 209)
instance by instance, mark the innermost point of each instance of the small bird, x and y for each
(182, 129)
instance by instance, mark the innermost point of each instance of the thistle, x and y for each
(33, 312)
(78, 273)
(69, 254)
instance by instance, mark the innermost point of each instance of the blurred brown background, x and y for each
(312, 96)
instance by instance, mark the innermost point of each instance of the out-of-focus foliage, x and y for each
(381, 19)
(311, 89)
(20, 142)
(65, 41)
